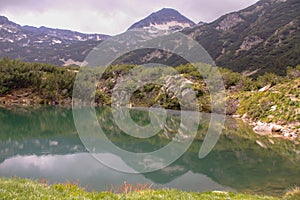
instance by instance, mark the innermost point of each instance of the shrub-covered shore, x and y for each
(16, 188)
(34, 83)
(271, 103)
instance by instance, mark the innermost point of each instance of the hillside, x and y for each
(269, 98)
(264, 37)
(47, 45)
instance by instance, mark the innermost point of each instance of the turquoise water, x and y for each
(42, 143)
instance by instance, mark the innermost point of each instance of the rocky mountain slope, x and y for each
(264, 37)
(164, 19)
(62, 47)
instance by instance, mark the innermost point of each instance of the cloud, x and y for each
(109, 17)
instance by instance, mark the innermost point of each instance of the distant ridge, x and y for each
(48, 45)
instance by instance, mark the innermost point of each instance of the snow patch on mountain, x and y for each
(172, 25)
(54, 41)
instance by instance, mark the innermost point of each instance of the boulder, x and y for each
(262, 129)
(271, 141)
(266, 88)
(262, 145)
(276, 128)
(273, 108)
(244, 116)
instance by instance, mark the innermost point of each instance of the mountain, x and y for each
(56, 46)
(164, 19)
(65, 47)
(65, 34)
(201, 23)
(264, 37)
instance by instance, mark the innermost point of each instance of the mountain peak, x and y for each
(166, 10)
(3, 19)
(164, 19)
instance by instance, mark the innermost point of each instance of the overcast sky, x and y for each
(109, 16)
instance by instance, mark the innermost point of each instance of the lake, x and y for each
(42, 143)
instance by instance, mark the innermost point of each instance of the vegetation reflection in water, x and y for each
(43, 143)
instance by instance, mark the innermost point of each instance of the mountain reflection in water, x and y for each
(43, 143)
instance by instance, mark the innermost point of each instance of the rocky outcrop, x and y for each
(229, 21)
(262, 129)
(274, 130)
(179, 87)
(250, 42)
(262, 37)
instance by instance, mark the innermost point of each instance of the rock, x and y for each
(250, 42)
(23, 95)
(292, 97)
(219, 192)
(276, 128)
(53, 143)
(244, 116)
(259, 123)
(273, 108)
(286, 134)
(230, 21)
(278, 136)
(252, 124)
(236, 116)
(292, 135)
(188, 95)
(266, 88)
(64, 92)
(271, 141)
(262, 145)
(262, 129)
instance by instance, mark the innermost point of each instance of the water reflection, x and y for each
(43, 143)
(83, 167)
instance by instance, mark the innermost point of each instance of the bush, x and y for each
(268, 78)
(46, 79)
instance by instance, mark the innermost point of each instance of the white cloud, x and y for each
(109, 17)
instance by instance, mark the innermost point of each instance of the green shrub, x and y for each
(268, 78)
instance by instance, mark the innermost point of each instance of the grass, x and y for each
(16, 188)
(284, 98)
(293, 194)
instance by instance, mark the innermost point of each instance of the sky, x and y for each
(109, 16)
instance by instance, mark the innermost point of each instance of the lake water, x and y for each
(42, 143)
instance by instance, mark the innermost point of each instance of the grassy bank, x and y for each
(28, 189)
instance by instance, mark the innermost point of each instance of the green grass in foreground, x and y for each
(28, 189)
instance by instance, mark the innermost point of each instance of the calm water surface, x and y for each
(42, 143)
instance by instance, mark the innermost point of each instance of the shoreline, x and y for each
(273, 130)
